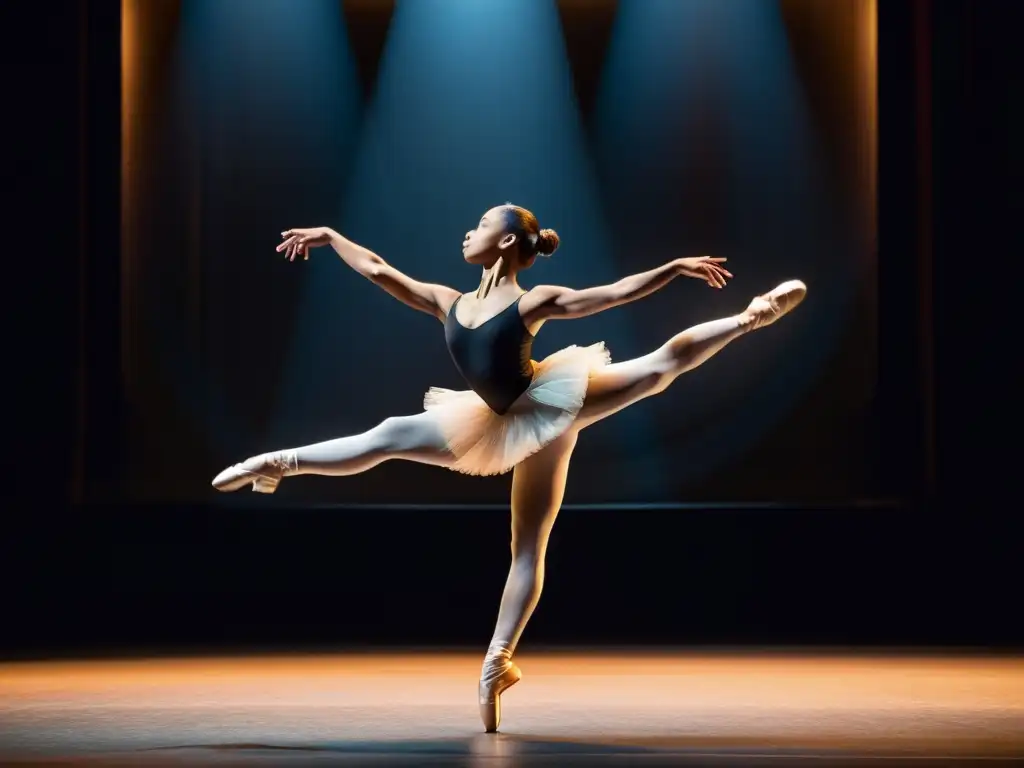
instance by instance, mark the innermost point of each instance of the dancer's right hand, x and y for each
(299, 241)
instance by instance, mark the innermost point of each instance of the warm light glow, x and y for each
(924, 705)
(868, 54)
(129, 108)
(129, 76)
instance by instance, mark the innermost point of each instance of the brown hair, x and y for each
(533, 240)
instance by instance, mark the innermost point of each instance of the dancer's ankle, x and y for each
(500, 647)
(499, 654)
(746, 320)
(285, 462)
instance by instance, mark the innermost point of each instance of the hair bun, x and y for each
(547, 242)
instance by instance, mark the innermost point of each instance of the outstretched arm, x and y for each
(548, 302)
(433, 299)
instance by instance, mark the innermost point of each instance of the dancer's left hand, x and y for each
(705, 268)
(297, 242)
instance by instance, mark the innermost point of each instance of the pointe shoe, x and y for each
(500, 674)
(264, 472)
(769, 307)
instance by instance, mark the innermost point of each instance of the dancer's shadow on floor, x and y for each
(491, 750)
(507, 750)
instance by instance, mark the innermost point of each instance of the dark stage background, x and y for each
(107, 413)
(638, 131)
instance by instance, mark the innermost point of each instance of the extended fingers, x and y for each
(717, 274)
(720, 270)
(295, 243)
(714, 279)
(293, 246)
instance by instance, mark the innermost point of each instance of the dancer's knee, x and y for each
(392, 435)
(682, 353)
(528, 549)
(663, 365)
(398, 435)
(527, 564)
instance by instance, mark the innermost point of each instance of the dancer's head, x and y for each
(511, 233)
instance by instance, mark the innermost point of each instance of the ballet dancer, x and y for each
(517, 414)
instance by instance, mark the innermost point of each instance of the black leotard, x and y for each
(493, 358)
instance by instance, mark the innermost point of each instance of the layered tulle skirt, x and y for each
(487, 443)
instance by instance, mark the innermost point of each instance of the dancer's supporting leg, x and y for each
(621, 384)
(413, 438)
(538, 485)
(539, 482)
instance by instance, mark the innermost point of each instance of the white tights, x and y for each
(538, 484)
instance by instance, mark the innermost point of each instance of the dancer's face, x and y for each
(485, 244)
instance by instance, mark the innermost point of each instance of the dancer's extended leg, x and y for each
(538, 485)
(620, 384)
(413, 438)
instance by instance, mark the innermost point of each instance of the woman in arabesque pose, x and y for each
(518, 414)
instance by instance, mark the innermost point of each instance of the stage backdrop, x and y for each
(640, 131)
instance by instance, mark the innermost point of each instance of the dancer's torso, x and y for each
(494, 357)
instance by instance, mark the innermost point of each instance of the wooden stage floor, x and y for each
(572, 708)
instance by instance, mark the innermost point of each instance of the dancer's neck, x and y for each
(495, 277)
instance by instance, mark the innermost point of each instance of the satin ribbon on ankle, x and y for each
(496, 661)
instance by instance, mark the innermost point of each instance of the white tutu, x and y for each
(487, 443)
